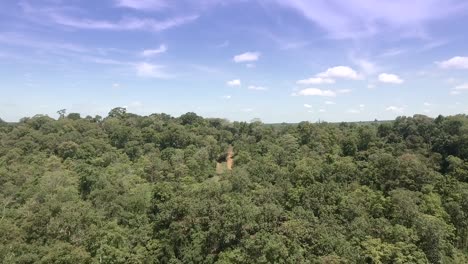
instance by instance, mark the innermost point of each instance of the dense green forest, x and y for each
(144, 189)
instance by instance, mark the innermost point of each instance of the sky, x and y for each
(277, 60)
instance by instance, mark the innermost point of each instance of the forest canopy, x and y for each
(146, 189)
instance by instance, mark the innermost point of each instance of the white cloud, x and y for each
(145, 69)
(427, 104)
(344, 72)
(390, 78)
(455, 63)
(315, 92)
(227, 97)
(316, 80)
(116, 85)
(152, 52)
(247, 110)
(329, 103)
(322, 110)
(395, 109)
(142, 4)
(370, 86)
(257, 88)
(236, 82)
(307, 106)
(362, 106)
(329, 76)
(247, 57)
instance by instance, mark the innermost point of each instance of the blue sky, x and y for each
(277, 60)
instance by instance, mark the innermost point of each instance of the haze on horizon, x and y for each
(280, 61)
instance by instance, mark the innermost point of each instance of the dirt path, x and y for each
(226, 161)
(230, 158)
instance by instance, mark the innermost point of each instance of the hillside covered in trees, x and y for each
(144, 189)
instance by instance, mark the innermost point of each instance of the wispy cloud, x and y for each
(357, 18)
(257, 88)
(235, 82)
(434, 44)
(315, 80)
(392, 52)
(358, 110)
(366, 66)
(72, 51)
(206, 69)
(149, 70)
(145, 5)
(353, 111)
(153, 52)
(343, 91)
(163, 5)
(285, 42)
(16, 39)
(459, 89)
(462, 87)
(247, 57)
(147, 24)
(100, 60)
(74, 17)
(307, 106)
(223, 45)
(395, 109)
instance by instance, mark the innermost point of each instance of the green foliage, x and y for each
(144, 189)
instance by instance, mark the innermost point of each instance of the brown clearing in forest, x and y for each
(225, 161)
